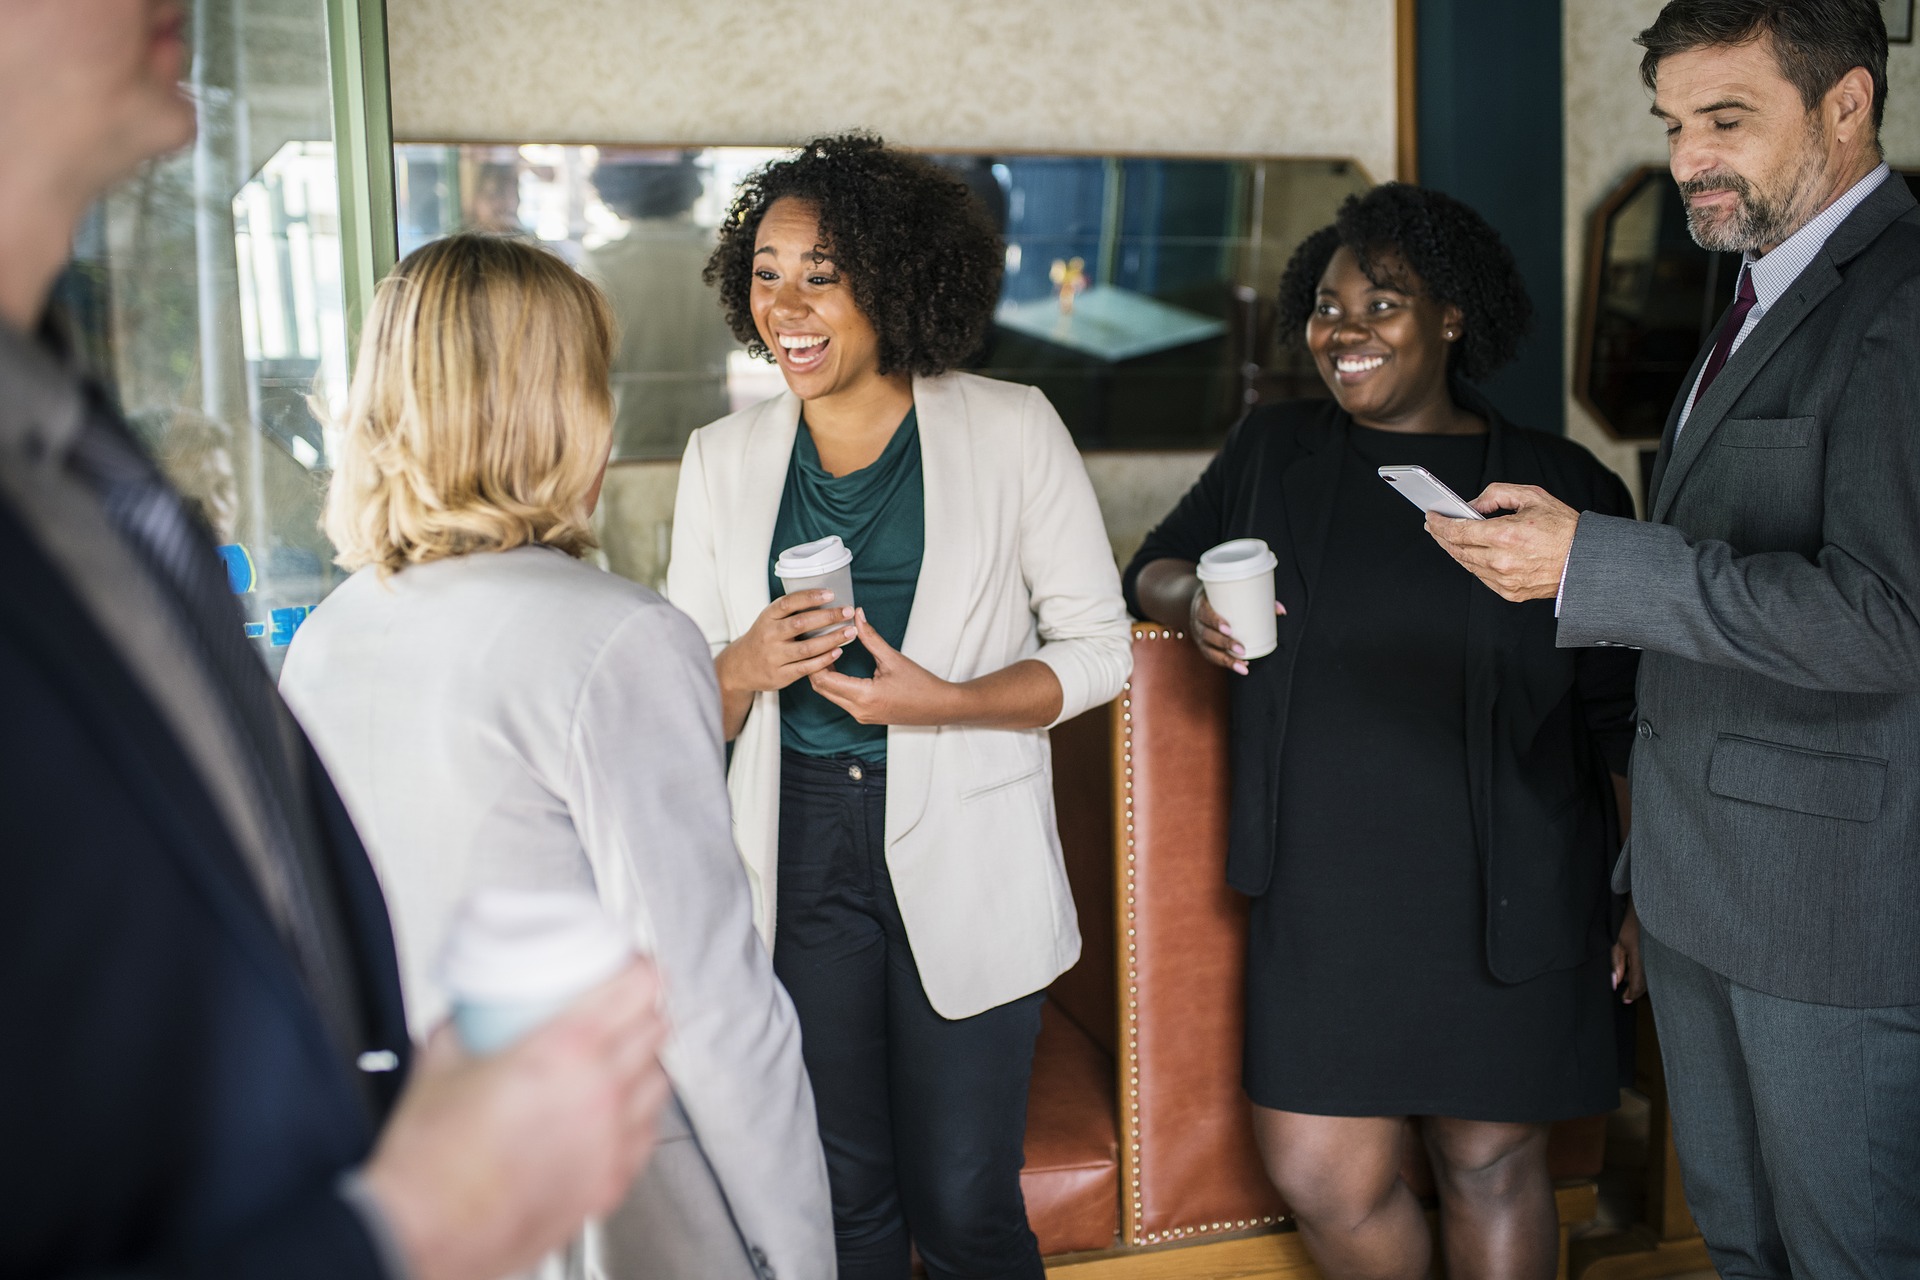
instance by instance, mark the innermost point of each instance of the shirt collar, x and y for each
(1776, 271)
(42, 394)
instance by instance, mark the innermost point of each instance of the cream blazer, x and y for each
(1016, 566)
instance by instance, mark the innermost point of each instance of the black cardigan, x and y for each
(1544, 725)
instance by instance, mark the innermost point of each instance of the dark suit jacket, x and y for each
(1776, 780)
(1543, 726)
(171, 1103)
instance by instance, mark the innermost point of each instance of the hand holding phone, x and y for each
(1426, 491)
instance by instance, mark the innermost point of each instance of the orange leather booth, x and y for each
(1138, 1131)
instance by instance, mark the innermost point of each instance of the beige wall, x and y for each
(1265, 77)
(1609, 133)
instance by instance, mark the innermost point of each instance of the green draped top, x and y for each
(879, 511)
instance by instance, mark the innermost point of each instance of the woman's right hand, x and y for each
(772, 655)
(1214, 637)
(1172, 594)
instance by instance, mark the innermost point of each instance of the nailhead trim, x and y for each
(1130, 1031)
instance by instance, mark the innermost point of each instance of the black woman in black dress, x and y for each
(1422, 805)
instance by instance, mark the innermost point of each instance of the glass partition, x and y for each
(1138, 290)
(293, 326)
(207, 296)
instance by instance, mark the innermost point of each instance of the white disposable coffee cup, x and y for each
(1238, 578)
(825, 564)
(517, 957)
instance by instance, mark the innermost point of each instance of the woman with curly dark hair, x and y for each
(890, 775)
(1421, 807)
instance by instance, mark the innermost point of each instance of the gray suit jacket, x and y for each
(1776, 591)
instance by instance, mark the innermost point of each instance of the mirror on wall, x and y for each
(1651, 302)
(1652, 297)
(1899, 15)
(1138, 290)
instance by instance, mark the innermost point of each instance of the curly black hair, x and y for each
(911, 241)
(1451, 253)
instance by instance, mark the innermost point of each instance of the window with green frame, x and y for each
(214, 294)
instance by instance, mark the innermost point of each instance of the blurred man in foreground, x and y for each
(202, 1051)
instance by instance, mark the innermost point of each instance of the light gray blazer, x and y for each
(522, 719)
(1776, 591)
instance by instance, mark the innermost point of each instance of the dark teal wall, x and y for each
(1490, 103)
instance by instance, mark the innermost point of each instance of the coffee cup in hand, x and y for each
(822, 565)
(515, 958)
(1238, 579)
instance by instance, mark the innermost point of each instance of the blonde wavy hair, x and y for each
(480, 412)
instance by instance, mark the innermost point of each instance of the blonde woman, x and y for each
(499, 714)
(890, 778)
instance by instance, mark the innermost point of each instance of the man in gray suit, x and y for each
(1775, 858)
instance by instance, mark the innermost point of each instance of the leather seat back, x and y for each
(1189, 1164)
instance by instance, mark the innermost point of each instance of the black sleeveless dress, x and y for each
(1368, 988)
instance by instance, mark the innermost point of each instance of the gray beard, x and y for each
(1757, 221)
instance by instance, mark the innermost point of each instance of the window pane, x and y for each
(206, 294)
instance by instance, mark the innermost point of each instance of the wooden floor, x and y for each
(1264, 1257)
(1274, 1255)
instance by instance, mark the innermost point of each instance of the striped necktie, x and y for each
(297, 882)
(1729, 332)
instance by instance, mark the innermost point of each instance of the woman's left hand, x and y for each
(1629, 978)
(900, 692)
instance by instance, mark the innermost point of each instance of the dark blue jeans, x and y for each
(923, 1118)
(1798, 1125)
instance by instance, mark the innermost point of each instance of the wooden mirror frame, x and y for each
(1719, 273)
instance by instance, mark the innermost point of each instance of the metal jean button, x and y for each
(855, 772)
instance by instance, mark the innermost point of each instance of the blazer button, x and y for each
(1646, 729)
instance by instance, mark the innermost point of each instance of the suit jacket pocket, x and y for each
(1766, 433)
(1825, 784)
(1002, 758)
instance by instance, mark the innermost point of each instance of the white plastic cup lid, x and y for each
(812, 559)
(524, 944)
(1233, 561)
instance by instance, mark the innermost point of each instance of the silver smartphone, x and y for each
(1426, 491)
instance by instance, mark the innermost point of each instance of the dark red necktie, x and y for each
(1723, 345)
